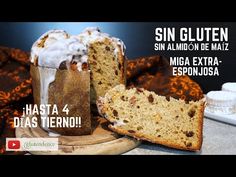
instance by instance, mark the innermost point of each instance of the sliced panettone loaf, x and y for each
(144, 115)
(106, 61)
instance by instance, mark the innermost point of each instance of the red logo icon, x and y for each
(13, 144)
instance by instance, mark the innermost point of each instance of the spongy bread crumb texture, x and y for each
(107, 67)
(144, 115)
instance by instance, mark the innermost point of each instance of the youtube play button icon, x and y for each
(12, 144)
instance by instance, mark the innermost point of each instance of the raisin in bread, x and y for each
(106, 61)
(144, 115)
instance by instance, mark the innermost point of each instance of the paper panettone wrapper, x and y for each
(71, 88)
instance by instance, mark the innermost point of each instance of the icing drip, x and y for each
(45, 40)
(55, 47)
(47, 76)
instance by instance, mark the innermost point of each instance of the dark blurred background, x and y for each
(139, 39)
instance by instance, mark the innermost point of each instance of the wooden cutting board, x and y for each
(101, 141)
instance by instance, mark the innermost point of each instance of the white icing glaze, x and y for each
(63, 50)
(47, 76)
(120, 45)
(229, 86)
(57, 47)
(47, 38)
(221, 102)
(92, 34)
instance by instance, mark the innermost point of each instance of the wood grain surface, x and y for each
(101, 141)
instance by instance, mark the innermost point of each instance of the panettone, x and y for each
(156, 106)
(60, 77)
(106, 60)
(61, 64)
(147, 116)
